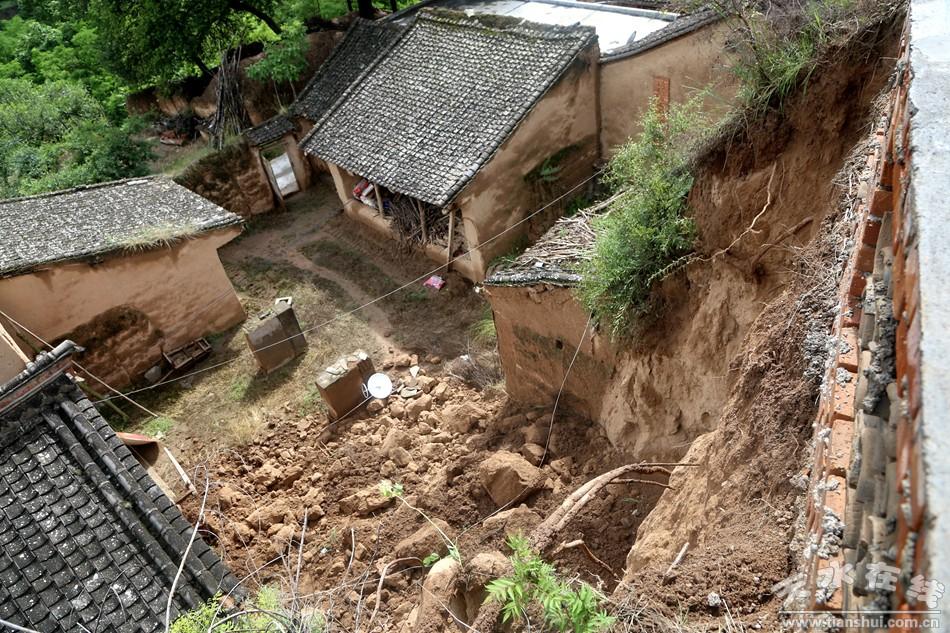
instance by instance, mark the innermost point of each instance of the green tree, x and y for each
(55, 135)
(285, 59)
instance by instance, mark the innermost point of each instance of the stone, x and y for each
(562, 467)
(402, 360)
(424, 541)
(534, 453)
(440, 392)
(508, 477)
(487, 566)
(153, 375)
(418, 405)
(503, 426)
(228, 497)
(375, 406)
(521, 519)
(440, 604)
(400, 456)
(535, 434)
(460, 418)
(397, 410)
(423, 429)
(396, 437)
(426, 383)
(365, 501)
(267, 475)
(266, 516)
(290, 475)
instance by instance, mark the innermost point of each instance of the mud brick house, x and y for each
(88, 542)
(460, 129)
(127, 269)
(275, 141)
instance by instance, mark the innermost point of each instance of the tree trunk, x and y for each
(238, 5)
(203, 67)
(366, 9)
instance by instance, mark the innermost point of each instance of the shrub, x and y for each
(534, 583)
(645, 229)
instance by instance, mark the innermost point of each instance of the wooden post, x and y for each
(379, 198)
(448, 254)
(422, 222)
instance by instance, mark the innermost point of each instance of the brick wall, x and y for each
(868, 516)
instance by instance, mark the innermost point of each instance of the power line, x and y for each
(363, 306)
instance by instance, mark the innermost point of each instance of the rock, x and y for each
(423, 429)
(521, 519)
(442, 438)
(400, 456)
(365, 501)
(534, 453)
(435, 360)
(375, 406)
(508, 477)
(229, 497)
(397, 410)
(432, 450)
(535, 434)
(503, 426)
(402, 360)
(439, 595)
(424, 541)
(417, 406)
(267, 475)
(290, 475)
(426, 383)
(153, 375)
(487, 566)
(563, 467)
(440, 391)
(388, 469)
(460, 418)
(266, 516)
(396, 438)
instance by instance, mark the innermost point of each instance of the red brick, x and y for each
(836, 500)
(897, 279)
(849, 359)
(842, 399)
(864, 258)
(857, 282)
(850, 310)
(900, 353)
(917, 496)
(886, 170)
(834, 602)
(838, 454)
(871, 231)
(881, 202)
(911, 281)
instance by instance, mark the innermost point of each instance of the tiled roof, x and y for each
(432, 110)
(97, 219)
(269, 131)
(362, 44)
(87, 539)
(682, 25)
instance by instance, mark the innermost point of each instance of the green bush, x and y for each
(645, 229)
(535, 584)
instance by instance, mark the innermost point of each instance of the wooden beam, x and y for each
(448, 254)
(422, 222)
(379, 198)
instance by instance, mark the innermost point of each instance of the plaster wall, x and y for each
(502, 194)
(153, 300)
(691, 63)
(12, 359)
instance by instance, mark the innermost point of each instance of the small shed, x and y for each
(128, 269)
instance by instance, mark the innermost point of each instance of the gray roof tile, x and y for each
(362, 44)
(430, 112)
(77, 519)
(98, 219)
(269, 131)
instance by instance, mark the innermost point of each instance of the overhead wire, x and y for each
(352, 311)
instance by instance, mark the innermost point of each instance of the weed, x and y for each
(417, 296)
(311, 402)
(645, 229)
(238, 387)
(158, 427)
(483, 331)
(534, 583)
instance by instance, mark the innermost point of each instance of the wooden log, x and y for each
(448, 252)
(422, 223)
(379, 198)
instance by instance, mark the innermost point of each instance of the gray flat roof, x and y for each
(616, 27)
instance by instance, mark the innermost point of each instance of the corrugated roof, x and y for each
(433, 109)
(681, 26)
(363, 43)
(98, 219)
(87, 539)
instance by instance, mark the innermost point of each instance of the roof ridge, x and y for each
(89, 187)
(505, 23)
